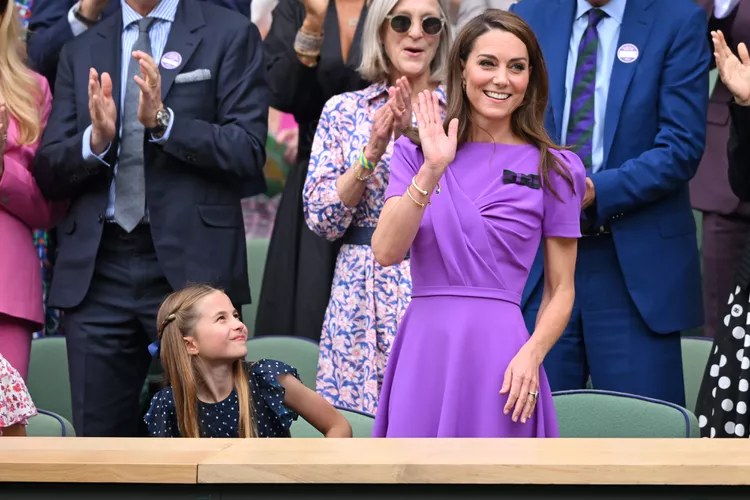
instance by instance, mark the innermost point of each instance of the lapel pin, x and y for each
(627, 53)
(171, 60)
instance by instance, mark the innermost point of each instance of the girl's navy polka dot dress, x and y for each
(220, 420)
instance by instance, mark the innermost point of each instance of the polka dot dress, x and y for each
(221, 420)
(723, 400)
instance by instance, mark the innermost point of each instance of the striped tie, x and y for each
(581, 119)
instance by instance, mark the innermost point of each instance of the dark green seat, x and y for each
(49, 424)
(48, 381)
(362, 425)
(605, 414)
(298, 352)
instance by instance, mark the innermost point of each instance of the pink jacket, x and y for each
(22, 209)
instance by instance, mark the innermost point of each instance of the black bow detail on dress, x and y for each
(529, 180)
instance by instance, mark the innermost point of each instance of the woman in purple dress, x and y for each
(472, 197)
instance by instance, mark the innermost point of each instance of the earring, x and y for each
(463, 84)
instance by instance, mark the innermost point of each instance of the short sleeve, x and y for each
(161, 418)
(405, 163)
(562, 213)
(16, 406)
(266, 372)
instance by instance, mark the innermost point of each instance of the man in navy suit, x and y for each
(158, 124)
(628, 93)
(55, 22)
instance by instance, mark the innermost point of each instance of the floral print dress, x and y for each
(16, 406)
(367, 300)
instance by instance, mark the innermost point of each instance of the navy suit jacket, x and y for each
(654, 137)
(49, 30)
(194, 181)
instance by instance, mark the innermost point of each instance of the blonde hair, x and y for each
(375, 65)
(19, 86)
(176, 319)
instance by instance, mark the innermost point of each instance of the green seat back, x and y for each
(48, 381)
(362, 424)
(298, 352)
(604, 414)
(49, 424)
(695, 353)
(257, 248)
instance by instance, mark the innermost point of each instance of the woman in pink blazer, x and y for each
(24, 107)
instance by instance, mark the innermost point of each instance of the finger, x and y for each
(419, 111)
(523, 396)
(429, 115)
(106, 88)
(506, 382)
(93, 84)
(453, 130)
(150, 73)
(400, 99)
(436, 108)
(142, 56)
(515, 389)
(744, 56)
(145, 88)
(528, 409)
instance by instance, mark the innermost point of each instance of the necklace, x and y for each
(353, 22)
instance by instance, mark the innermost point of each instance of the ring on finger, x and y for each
(534, 394)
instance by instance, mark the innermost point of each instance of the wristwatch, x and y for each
(81, 18)
(162, 121)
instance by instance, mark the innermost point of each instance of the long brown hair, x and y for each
(527, 121)
(176, 319)
(19, 86)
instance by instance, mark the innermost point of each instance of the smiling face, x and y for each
(219, 334)
(496, 75)
(411, 35)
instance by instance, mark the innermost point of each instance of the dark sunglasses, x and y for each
(401, 24)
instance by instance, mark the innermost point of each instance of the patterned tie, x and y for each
(130, 183)
(581, 119)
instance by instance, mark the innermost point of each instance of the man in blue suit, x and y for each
(53, 23)
(628, 93)
(159, 121)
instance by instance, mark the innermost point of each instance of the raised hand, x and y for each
(439, 148)
(400, 102)
(102, 110)
(149, 81)
(734, 72)
(382, 129)
(315, 13)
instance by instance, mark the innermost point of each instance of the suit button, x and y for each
(100, 218)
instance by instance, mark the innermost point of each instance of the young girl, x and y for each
(212, 391)
(16, 406)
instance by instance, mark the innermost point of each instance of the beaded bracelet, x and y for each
(366, 164)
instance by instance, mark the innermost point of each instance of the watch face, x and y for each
(162, 118)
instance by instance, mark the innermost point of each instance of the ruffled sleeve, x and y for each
(265, 373)
(161, 418)
(16, 406)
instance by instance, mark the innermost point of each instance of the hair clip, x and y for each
(154, 348)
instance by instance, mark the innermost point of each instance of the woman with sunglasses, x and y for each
(405, 48)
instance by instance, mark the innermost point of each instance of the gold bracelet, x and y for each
(364, 179)
(421, 205)
(422, 191)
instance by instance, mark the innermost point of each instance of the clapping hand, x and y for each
(400, 102)
(382, 129)
(734, 72)
(102, 111)
(439, 148)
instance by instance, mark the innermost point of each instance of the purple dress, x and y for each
(469, 264)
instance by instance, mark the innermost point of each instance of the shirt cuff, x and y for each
(164, 138)
(86, 148)
(722, 8)
(76, 26)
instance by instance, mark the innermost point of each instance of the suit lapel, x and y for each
(556, 40)
(636, 26)
(184, 37)
(106, 57)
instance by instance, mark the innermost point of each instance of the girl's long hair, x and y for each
(527, 121)
(19, 86)
(176, 319)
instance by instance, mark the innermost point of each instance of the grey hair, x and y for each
(375, 65)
